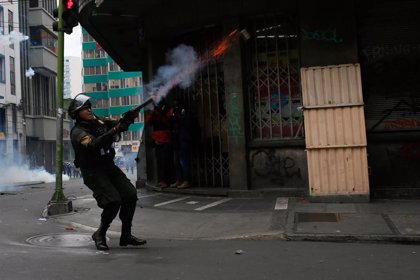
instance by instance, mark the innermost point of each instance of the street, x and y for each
(169, 259)
(32, 247)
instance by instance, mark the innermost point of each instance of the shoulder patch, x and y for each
(85, 140)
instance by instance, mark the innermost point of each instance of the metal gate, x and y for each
(207, 103)
(274, 86)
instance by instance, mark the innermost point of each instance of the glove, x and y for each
(123, 126)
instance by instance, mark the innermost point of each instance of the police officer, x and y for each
(92, 139)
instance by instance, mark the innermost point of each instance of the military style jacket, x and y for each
(93, 143)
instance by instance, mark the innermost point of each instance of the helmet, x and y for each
(80, 102)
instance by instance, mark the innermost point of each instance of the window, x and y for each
(2, 69)
(1, 20)
(14, 118)
(33, 3)
(10, 19)
(2, 120)
(114, 67)
(41, 37)
(87, 38)
(12, 76)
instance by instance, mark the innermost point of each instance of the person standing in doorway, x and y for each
(182, 138)
(161, 120)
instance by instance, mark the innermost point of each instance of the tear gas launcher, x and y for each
(129, 116)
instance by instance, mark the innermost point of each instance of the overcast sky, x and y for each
(73, 43)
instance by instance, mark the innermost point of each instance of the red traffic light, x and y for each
(68, 4)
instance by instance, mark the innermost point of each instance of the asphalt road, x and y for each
(165, 258)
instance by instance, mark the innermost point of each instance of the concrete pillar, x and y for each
(238, 175)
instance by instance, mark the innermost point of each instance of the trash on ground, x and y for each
(239, 252)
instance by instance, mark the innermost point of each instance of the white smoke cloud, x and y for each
(183, 64)
(21, 174)
(29, 73)
(13, 37)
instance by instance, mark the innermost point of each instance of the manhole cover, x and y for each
(317, 217)
(61, 240)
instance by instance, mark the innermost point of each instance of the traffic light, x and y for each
(69, 17)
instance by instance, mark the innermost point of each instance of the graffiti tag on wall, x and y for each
(401, 124)
(235, 128)
(375, 53)
(326, 35)
(267, 163)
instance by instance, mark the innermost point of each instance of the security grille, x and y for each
(206, 101)
(274, 86)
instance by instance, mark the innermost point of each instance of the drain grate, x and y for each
(66, 240)
(302, 217)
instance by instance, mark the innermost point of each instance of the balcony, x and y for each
(43, 60)
(40, 17)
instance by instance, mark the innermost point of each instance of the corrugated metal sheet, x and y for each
(335, 130)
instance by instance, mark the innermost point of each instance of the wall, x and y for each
(328, 33)
(278, 168)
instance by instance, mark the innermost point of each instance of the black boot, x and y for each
(126, 240)
(126, 216)
(108, 214)
(99, 237)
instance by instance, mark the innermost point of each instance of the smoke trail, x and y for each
(183, 63)
(13, 37)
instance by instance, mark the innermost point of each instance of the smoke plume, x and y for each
(182, 65)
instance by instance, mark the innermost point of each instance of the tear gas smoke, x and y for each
(29, 73)
(182, 65)
(13, 37)
(15, 174)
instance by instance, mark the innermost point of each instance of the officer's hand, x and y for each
(123, 126)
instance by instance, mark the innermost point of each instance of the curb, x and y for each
(409, 239)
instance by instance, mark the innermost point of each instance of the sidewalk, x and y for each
(377, 221)
(380, 221)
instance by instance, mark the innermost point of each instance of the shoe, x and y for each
(100, 242)
(163, 185)
(184, 185)
(131, 240)
(176, 184)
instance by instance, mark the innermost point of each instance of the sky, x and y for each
(73, 43)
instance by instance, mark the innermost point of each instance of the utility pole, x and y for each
(59, 204)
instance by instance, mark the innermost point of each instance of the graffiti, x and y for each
(375, 53)
(266, 162)
(326, 35)
(402, 124)
(235, 112)
(410, 150)
(404, 109)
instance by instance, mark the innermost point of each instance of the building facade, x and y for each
(72, 76)
(12, 134)
(350, 65)
(39, 91)
(114, 92)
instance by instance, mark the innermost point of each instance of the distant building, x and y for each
(11, 111)
(72, 76)
(39, 91)
(115, 91)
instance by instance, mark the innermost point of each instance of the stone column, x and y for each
(234, 92)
